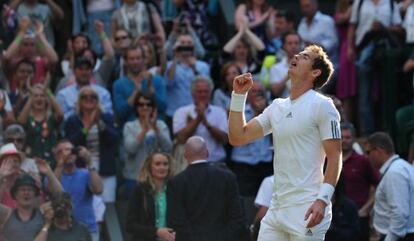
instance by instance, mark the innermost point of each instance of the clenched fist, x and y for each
(242, 83)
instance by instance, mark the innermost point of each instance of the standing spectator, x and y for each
(346, 85)
(181, 72)
(60, 226)
(394, 198)
(68, 96)
(345, 225)
(41, 117)
(278, 78)
(22, 76)
(318, 28)
(25, 221)
(76, 45)
(32, 46)
(242, 54)
(143, 136)
(222, 95)
(203, 200)
(147, 209)
(202, 119)
(91, 128)
(139, 18)
(257, 13)
(360, 179)
(80, 183)
(368, 18)
(134, 82)
(283, 21)
(45, 14)
(123, 41)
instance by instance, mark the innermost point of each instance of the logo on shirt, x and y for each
(309, 233)
(289, 115)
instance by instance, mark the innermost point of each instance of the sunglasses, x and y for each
(121, 38)
(89, 97)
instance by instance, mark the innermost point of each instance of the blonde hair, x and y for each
(144, 174)
(42, 88)
(81, 92)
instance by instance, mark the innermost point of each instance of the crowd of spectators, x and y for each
(99, 95)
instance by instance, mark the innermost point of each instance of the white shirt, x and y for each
(394, 199)
(278, 72)
(298, 128)
(409, 23)
(216, 116)
(264, 195)
(370, 12)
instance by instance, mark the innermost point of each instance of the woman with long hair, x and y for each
(96, 131)
(143, 136)
(147, 209)
(41, 118)
(222, 95)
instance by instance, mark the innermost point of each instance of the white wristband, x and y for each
(238, 101)
(326, 191)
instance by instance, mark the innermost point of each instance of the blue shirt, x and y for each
(77, 185)
(179, 87)
(124, 87)
(254, 152)
(68, 99)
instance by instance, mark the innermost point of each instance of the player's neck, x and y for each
(298, 91)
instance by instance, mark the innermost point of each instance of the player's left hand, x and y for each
(316, 213)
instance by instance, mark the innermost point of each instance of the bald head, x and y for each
(195, 149)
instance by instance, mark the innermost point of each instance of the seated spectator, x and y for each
(181, 72)
(41, 117)
(60, 226)
(32, 46)
(147, 209)
(138, 17)
(68, 96)
(222, 95)
(22, 76)
(345, 220)
(278, 74)
(143, 136)
(91, 128)
(25, 221)
(183, 26)
(102, 67)
(135, 81)
(195, 12)
(6, 113)
(80, 182)
(202, 119)
(257, 13)
(318, 28)
(245, 49)
(45, 14)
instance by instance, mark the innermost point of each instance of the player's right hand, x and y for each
(242, 83)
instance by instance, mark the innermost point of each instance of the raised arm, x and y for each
(44, 48)
(240, 132)
(56, 11)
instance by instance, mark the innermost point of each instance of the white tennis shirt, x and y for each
(298, 128)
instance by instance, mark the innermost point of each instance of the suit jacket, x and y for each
(204, 204)
(141, 214)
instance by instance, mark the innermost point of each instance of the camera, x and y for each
(80, 162)
(185, 48)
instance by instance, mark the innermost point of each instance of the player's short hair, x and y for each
(381, 140)
(322, 63)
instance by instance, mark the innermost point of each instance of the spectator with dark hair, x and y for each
(22, 76)
(283, 21)
(222, 95)
(68, 96)
(245, 49)
(41, 117)
(181, 72)
(60, 226)
(360, 179)
(394, 197)
(257, 13)
(32, 46)
(80, 182)
(345, 223)
(202, 119)
(25, 221)
(122, 41)
(147, 209)
(137, 80)
(95, 130)
(76, 44)
(143, 136)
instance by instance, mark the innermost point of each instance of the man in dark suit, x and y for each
(203, 200)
